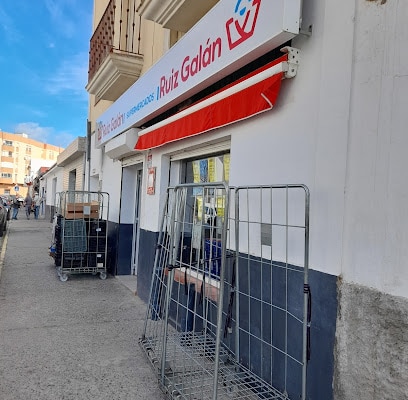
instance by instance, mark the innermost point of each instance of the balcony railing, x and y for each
(117, 32)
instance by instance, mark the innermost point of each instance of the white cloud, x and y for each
(59, 16)
(34, 131)
(44, 134)
(70, 78)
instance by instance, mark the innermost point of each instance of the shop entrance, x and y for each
(129, 220)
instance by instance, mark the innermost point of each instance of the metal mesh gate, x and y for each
(229, 308)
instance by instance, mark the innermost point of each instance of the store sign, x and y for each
(230, 35)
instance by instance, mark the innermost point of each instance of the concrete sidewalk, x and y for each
(66, 340)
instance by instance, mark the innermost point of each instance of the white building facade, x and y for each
(335, 122)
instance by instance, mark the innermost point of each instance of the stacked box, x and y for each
(96, 235)
(81, 210)
(75, 240)
(96, 260)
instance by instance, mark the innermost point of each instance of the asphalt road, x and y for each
(66, 340)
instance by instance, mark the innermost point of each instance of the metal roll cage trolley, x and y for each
(80, 227)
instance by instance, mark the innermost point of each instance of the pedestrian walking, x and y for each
(28, 202)
(15, 206)
(37, 200)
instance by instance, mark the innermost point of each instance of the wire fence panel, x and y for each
(229, 302)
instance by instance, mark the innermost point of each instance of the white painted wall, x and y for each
(47, 182)
(111, 175)
(152, 205)
(96, 158)
(376, 221)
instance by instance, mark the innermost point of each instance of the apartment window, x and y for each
(6, 191)
(7, 142)
(51, 155)
(5, 175)
(28, 149)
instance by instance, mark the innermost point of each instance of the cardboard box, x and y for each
(81, 210)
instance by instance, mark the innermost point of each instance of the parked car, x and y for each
(4, 210)
(6, 201)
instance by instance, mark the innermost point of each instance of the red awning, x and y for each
(253, 94)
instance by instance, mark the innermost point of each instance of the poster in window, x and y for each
(200, 172)
(203, 171)
(226, 167)
(211, 170)
(196, 171)
(151, 180)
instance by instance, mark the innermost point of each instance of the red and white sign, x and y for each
(241, 31)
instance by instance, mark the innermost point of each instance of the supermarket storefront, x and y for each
(216, 107)
(204, 83)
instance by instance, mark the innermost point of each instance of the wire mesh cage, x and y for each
(80, 233)
(229, 308)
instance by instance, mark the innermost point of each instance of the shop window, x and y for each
(205, 206)
(208, 207)
(208, 169)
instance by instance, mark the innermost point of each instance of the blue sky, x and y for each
(44, 68)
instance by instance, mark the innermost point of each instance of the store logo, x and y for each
(241, 26)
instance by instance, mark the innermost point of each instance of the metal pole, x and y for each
(237, 194)
(221, 293)
(306, 293)
(172, 233)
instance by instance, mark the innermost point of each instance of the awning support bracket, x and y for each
(293, 61)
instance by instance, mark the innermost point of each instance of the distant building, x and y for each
(21, 157)
(67, 173)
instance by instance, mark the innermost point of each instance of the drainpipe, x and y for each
(88, 152)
